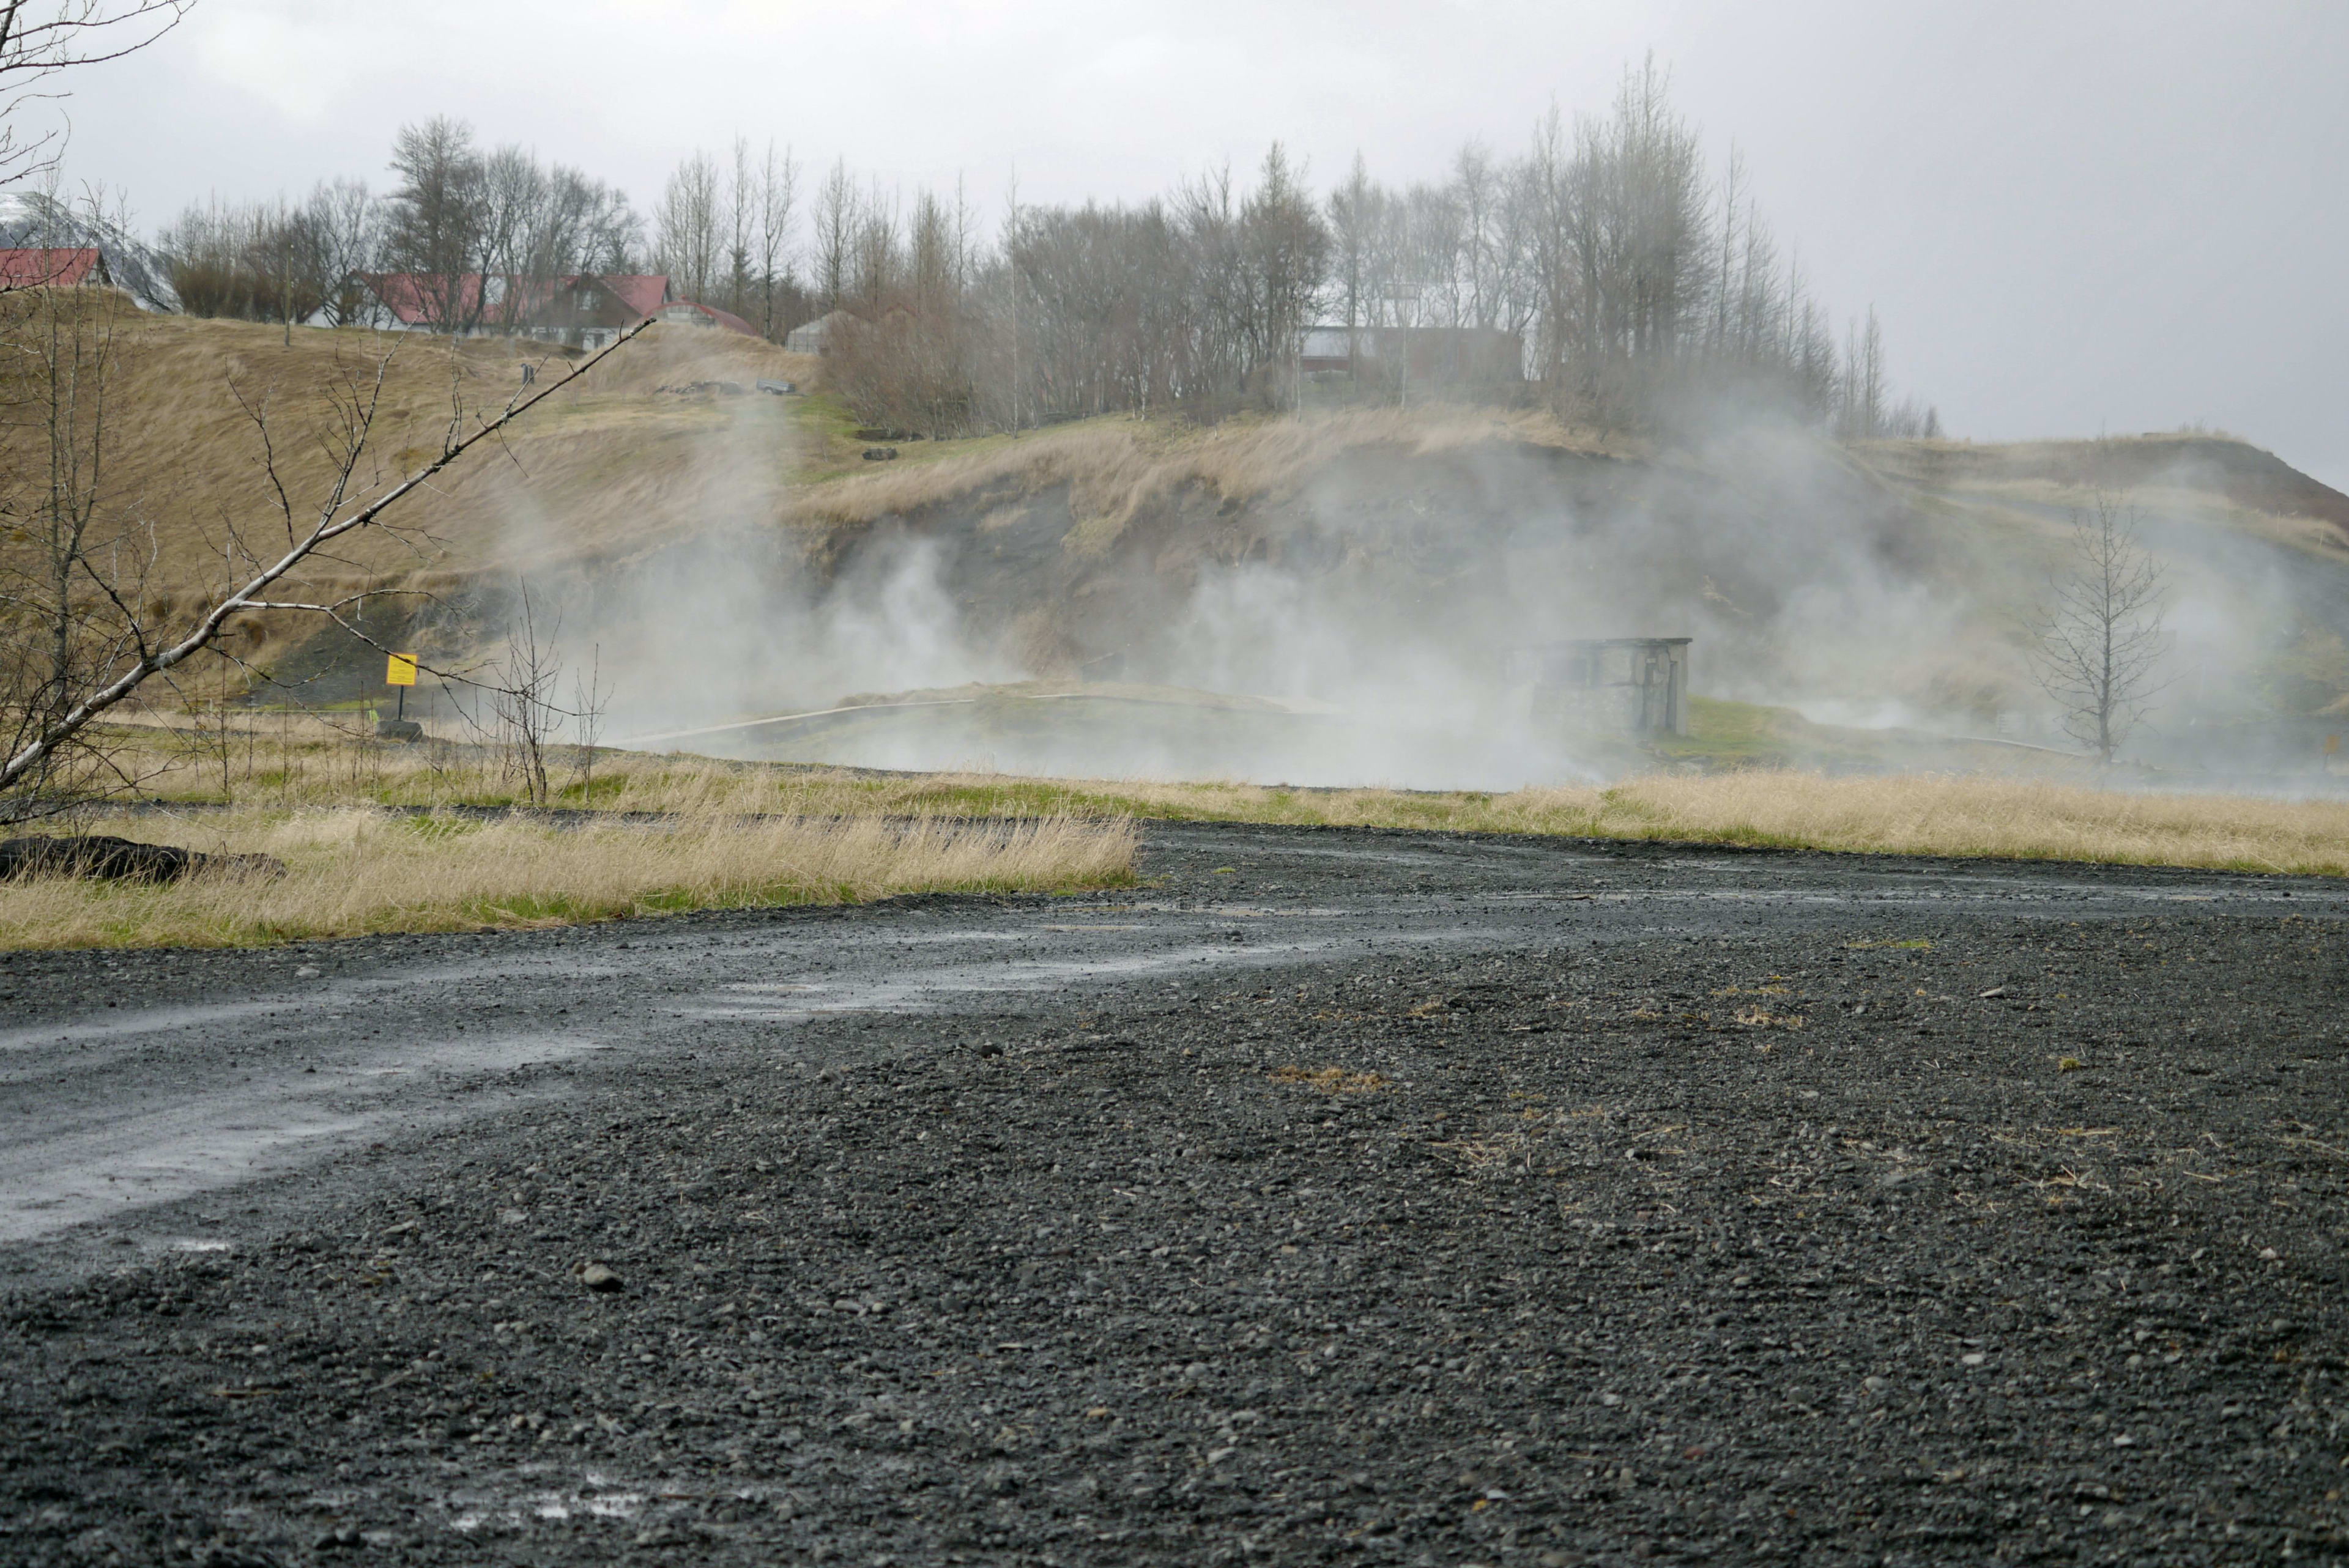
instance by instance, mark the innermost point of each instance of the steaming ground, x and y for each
(704, 557)
(1064, 729)
(1342, 1197)
(1374, 571)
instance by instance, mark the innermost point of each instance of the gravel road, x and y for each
(1340, 1196)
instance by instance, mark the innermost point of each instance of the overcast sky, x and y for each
(2071, 216)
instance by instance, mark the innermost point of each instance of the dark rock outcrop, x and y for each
(101, 858)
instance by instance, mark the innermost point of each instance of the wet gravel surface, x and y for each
(1340, 1196)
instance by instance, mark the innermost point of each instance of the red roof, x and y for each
(30, 269)
(725, 318)
(642, 293)
(417, 298)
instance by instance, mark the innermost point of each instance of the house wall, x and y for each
(1432, 355)
(1621, 685)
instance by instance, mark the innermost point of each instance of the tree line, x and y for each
(456, 210)
(1605, 268)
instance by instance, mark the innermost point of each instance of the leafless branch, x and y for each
(311, 530)
(37, 42)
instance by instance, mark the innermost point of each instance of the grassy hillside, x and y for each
(1428, 542)
(607, 466)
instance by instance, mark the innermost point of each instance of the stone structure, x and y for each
(1621, 685)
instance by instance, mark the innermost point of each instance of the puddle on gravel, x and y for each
(471, 1510)
(931, 989)
(1203, 910)
(951, 938)
(113, 1157)
(310, 999)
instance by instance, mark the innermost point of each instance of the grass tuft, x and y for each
(353, 872)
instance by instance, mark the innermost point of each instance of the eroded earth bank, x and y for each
(1338, 1197)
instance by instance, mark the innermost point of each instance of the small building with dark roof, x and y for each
(1617, 685)
(815, 337)
(1415, 356)
(587, 310)
(693, 312)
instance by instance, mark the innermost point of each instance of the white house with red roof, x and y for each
(586, 310)
(51, 266)
(56, 242)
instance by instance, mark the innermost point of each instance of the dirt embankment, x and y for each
(1898, 570)
(1094, 544)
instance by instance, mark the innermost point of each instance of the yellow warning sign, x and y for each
(402, 670)
(2331, 746)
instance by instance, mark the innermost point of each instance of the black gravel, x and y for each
(1615, 1205)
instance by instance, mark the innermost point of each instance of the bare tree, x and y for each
(839, 215)
(1863, 393)
(877, 263)
(690, 227)
(347, 231)
(210, 253)
(741, 231)
(1642, 282)
(39, 42)
(275, 259)
(524, 696)
(83, 633)
(779, 188)
(284, 255)
(1286, 252)
(591, 698)
(435, 220)
(2098, 641)
(608, 235)
(515, 198)
(73, 567)
(1012, 228)
(1354, 213)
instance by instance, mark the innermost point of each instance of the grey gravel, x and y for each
(1530, 1203)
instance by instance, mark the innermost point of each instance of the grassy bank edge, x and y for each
(353, 872)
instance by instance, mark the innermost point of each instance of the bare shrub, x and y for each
(2098, 641)
(524, 689)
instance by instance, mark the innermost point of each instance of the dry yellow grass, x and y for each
(729, 835)
(1963, 816)
(2007, 818)
(609, 469)
(351, 872)
(1116, 466)
(1928, 814)
(610, 466)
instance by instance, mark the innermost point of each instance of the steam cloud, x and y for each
(1371, 614)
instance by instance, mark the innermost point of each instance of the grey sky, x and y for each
(2071, 216)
